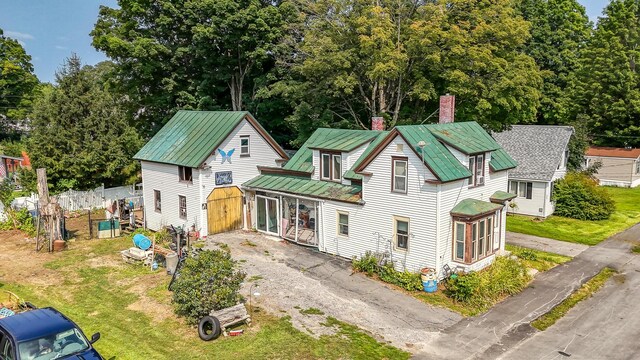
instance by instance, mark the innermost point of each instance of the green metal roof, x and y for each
(351, 174)
(502, 196)
(468, 137)
(500, 160)
(190, 137)
(306, 187)
(437, 157)
(473, 207)
(329, 139)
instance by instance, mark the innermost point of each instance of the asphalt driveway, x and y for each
(292, 278)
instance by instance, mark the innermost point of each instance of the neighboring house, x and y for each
(542, 152)
(193, 167)
(9, 166)
(426, 195)
(620, 166)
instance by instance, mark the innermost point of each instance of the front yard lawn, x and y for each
(537, 259)
(130, 306)
(585, 232)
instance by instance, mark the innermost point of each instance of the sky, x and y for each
(50, 30)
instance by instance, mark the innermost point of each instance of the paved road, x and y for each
(545, 244)
(506, 325)
(606, 326)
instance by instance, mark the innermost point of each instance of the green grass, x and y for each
(103, 298)
(635, 249)
(587, 290)
(627, 214)
(536, 259)
(311, 311)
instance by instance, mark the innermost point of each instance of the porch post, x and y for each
(297, 207)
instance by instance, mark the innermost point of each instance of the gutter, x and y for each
(281, 193)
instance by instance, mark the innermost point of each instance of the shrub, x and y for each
(23, 221)
(372, 263)
(527, 254)
(578, 196)
(482, 289)
(207, 282)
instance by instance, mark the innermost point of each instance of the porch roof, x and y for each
(501, 196)
(296, 185)
(473, 207)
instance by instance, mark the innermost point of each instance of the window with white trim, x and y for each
(331, 166)
(401, 231)
(343, 223)
(399, 183)
(522, 189)
(473, 240)
(182, 204)
(245, 149)
(157, 200)
(637, 166)
(476, 166)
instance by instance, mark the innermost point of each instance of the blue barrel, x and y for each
(141, 241)
(430, 286)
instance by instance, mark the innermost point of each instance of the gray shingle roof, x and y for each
(538, 149)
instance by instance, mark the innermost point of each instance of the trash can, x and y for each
(172, 262)
(430, 286)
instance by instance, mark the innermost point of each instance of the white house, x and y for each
(541, 152)
(193, 167)
(426, 195)
(618, 166)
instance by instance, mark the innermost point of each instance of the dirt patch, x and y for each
(104, 261)
(157, 311)
(20, 263)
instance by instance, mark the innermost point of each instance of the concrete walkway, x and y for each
(544, 244)
(508, 323)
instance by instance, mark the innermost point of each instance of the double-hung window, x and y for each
(185, 174)
(521, 188)
(245, 149)
(399, 183)
(476, 166)
(157, 200)
(182, 203)
(401, 233)
(473, 240)
(343, 223)
(331, 166)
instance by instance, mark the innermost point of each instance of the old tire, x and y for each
(209, 328)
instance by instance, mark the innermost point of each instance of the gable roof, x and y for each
(329, 139)
(468, 137)
(613, 152)
(190, 137)
(538, 149)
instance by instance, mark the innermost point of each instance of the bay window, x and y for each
(473, 240)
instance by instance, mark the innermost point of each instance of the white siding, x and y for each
(165, 178)
(371, 225)
(540, 203)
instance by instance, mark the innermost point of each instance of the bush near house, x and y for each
(578, 196)
(209, 282)
(377, 264)
(482, 289)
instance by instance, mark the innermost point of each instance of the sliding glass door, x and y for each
(267, 214)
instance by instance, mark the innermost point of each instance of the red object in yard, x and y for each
(236, 332)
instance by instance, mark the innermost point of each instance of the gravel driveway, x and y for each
(292, 278)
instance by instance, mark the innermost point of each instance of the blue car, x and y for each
(44, 334)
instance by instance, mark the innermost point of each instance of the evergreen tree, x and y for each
(80, 133)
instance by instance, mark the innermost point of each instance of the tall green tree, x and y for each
(17, 81)
(605, 92)
(80, 132)
(191, 54)
(359, 59)
(559, 30)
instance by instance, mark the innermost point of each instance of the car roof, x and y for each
(34, 324)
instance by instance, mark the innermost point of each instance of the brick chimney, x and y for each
(377, 123)
(447, 108)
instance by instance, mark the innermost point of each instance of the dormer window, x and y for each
(476, 166)
(331, 166)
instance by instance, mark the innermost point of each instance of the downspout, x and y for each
(202, 211)
(544, 203)
(438, 235)
(321, 228)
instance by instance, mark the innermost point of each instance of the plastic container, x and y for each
(172, 262)
(430, 286)
(427, 274)
(141, 241)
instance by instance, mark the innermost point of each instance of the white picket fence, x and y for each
(98, 198)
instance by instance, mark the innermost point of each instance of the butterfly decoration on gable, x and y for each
(226, 156)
